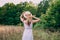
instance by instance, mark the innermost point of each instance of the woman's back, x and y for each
(26, 26)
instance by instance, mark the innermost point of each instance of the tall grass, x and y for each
(43, 35)
(15, 33)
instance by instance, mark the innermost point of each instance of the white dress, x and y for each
(27, 34)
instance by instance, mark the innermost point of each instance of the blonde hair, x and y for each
(26, 12)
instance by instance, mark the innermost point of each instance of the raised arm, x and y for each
(21, 17)
(36, 19)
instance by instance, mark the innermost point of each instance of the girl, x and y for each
(26, 18)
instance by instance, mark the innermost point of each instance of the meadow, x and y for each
(15, 33)
(47, 10)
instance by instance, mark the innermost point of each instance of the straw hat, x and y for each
(27, 12)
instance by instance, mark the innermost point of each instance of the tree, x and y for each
(10, 13)
(42, 7)
(51, 18)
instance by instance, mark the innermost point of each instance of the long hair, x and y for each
(28, 22)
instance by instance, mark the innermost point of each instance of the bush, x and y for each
(52, 16)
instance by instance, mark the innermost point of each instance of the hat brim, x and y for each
(26, 16)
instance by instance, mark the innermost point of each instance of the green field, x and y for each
(15, 33)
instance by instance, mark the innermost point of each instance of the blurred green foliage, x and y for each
(51, 19)
(47, 10)
(10, 13)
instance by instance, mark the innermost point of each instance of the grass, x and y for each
(15, 33)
